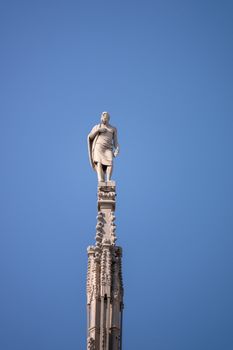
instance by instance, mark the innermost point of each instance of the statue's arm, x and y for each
(94, 132)
(115, 143)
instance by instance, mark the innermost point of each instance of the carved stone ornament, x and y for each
(90, 344)
(104, 276)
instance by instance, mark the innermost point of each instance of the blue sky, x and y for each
(163, 69)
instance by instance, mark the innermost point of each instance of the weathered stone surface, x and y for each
(104, 277)
(103, 147)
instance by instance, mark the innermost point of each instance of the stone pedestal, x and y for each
(104, 277)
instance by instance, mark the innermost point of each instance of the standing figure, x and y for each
(102, 147)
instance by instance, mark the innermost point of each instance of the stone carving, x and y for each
(113, 228)
(102, 195)
(99, 229)
(90, 276)
(102, 147)
(90, 343)
(107, 194)
(96, 271)
(117, 286)
(104, 277)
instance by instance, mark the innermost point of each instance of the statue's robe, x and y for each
(100, 148)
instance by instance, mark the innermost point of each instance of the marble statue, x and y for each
(102, 147)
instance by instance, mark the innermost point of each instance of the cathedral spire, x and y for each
(104, 277)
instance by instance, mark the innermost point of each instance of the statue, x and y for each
(102, 147)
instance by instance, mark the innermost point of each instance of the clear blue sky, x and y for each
(163, 69)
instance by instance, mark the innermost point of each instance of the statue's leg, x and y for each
(100, 173)
(109, 172)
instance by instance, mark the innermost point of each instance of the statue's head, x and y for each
(105, 117)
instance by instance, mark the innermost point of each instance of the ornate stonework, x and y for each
(104, 277)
